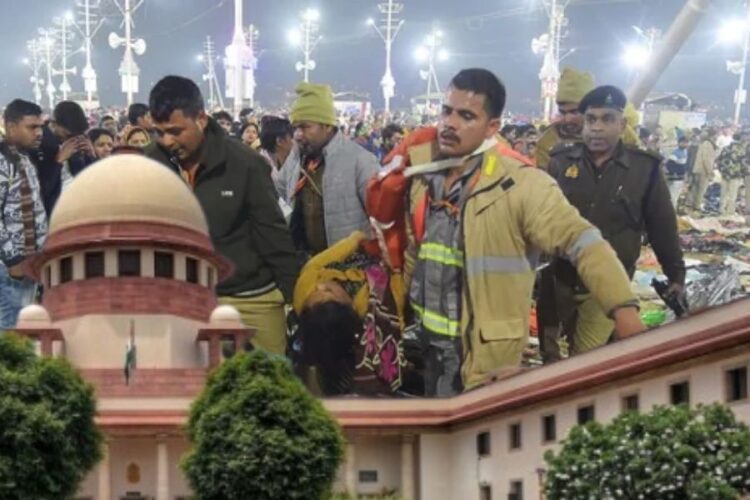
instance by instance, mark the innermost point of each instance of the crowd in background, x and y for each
(390, 279)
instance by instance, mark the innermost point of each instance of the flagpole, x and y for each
(130, 354)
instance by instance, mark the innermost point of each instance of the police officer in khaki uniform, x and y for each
(572, 87)
(567, 130)
(621, 190)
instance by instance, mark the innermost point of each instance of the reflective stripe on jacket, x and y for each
(513, 214)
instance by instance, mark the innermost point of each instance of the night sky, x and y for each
(495, 34)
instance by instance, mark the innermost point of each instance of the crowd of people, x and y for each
(389, 255)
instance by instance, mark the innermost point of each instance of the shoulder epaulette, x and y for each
(644, 152)
(563, 147)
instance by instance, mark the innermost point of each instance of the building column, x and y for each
(104, 491)
(350, 474)
(162, 468)
(408, 490)
(214, 351)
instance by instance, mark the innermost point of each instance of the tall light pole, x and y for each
(88, 24)
(549, 44)
(252, 35)
(65, 35)
(741, 95)
(388, 32)
(209, 59)
(238, 59)
(307, 37)
(129, 70)
(430, 52)
(48, 43)
(732, 31)
(36, 50)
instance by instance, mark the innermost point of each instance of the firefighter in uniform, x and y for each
(620, 189)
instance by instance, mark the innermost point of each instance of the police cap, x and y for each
(606, 96)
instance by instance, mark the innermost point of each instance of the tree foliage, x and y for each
(257, 433)
(669, 453)
(48, 438)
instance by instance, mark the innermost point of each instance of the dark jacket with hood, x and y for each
(49, 170)
(233, 185)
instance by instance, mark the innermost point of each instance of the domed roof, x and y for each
(226, 316)
(33, 315)
(128, 188)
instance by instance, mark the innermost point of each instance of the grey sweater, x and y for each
(348, 168)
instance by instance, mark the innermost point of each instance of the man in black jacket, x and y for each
(233, 185)
(621, 190)
(65, 151)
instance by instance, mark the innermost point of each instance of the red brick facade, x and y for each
(129, 296)
(158, 383)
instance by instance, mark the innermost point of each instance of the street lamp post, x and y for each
(429, 52)
(549, 44)
(48, 44)
(252, 34)
(308, 39)
(740, 96)
(88, 26)
(209, 59)
(35, 48)
(129, 70)
(391, 26)
(64, 34)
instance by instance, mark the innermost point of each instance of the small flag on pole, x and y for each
(130, 354)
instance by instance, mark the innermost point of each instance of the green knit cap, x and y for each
(314, 104)
(574, 85)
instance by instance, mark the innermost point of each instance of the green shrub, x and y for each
(669, 453)
(257, 433)
(48, 437)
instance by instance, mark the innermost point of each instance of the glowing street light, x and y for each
(422, 54)
(732, 32)
(294, 37)
(311, 15)
(429, 52)
(306, 37)
(636, 56)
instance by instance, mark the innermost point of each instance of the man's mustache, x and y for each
(451, 136)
